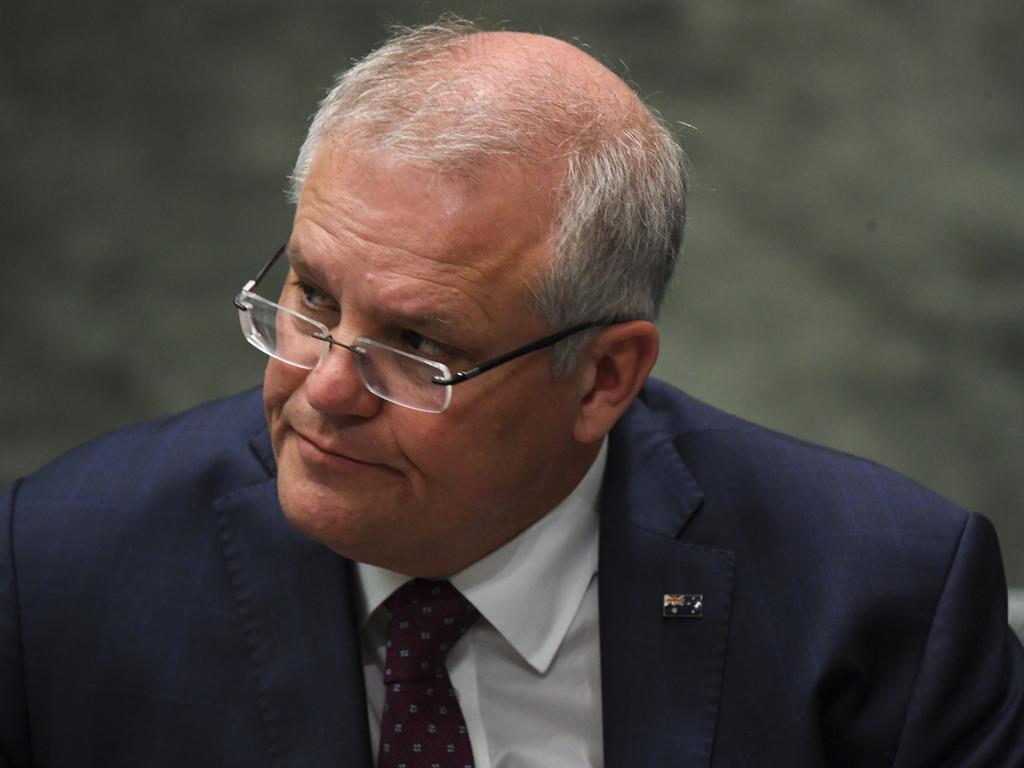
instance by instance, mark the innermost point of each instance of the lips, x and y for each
(324, 448)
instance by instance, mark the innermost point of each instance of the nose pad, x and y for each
(335, 386)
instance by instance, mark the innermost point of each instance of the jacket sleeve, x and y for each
(14, 741)
(967, 706)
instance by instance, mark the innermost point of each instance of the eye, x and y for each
(426, 347)
(313, 298)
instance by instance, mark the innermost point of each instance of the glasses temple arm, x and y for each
(259, 276)
(245, 289)
(494, 362)
(266, 267)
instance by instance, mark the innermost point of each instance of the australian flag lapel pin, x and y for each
(683, 606)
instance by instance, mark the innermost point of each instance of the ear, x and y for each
(614, 366)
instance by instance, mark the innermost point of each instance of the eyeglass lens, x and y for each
(398, 377)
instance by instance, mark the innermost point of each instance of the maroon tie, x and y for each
(422, 725)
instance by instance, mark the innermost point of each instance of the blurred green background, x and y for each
(855, 262)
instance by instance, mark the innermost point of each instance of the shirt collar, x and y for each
(530, 588)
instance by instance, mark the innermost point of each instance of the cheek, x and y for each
(438, 452)
(280, 381)
(482, 445)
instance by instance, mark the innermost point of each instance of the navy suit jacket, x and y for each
(156, 609)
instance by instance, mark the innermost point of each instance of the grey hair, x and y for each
(622, 198)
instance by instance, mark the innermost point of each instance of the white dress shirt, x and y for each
(528, 673)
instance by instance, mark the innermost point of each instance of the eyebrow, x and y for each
(297, 261)
(415, 320)
(429, 323)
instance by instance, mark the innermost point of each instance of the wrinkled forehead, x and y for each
(503, 198)
(393, 223)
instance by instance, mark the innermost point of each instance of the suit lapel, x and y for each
(292, 600)
(661, 676)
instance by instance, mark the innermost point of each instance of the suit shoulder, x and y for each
(200, 450)
(735, 458)
(884, 591)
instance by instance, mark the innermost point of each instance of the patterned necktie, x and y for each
(422, 725)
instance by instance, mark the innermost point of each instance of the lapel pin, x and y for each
(683, 606)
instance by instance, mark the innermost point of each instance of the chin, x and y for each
(327, 525)
(331, 517)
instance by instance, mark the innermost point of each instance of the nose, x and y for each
(335, 387)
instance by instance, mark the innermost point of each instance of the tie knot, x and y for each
(425, 619)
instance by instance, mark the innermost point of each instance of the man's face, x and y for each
(439, 267)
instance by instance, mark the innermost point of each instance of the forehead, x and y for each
(398, 234)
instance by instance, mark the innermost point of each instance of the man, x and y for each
(459, 448)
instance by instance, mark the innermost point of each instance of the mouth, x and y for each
(318, 454)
